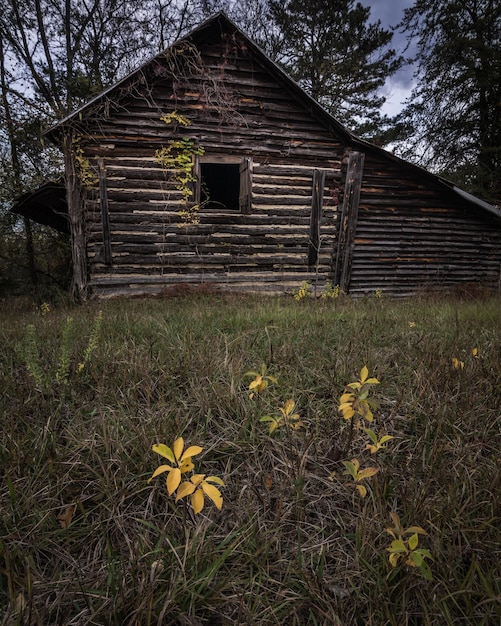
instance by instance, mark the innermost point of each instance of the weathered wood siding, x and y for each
(264, 250)
(407, 230)
(413, 235)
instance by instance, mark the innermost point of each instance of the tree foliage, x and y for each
(338, 57)
(452, 121)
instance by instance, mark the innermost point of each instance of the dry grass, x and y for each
(294, 543)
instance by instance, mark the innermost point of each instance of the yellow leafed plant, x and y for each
(287, 417)
(260, 381)
(355, 400)
(198, 485)
(406, 550)
(377, 444)
(181, 462)
(353, 470)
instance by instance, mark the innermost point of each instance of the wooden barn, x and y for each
(210, 165)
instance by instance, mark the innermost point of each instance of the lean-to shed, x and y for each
(210, 165)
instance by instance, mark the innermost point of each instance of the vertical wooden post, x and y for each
(245, 195)
(348, 221)
(76, 223)
(197, 183)
(105, 214)
(317, 200)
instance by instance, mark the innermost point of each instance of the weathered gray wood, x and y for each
(245, 197)
(348, 220)
(397, 231)
(317, 200)
(105, 215)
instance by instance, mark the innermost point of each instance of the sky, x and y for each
(399, 86)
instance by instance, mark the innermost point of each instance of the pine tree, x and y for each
(339, 58)
(452, 121)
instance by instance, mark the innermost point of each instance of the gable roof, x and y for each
(215, 26)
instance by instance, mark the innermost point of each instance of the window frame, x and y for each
(245, 176)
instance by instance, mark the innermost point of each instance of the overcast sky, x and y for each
(390, 12)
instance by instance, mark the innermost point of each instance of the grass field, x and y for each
(86, 392)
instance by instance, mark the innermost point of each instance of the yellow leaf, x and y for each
(347, 410)
(386, 438)
(398, 546)
(197, 501)
(215, 479)
(252, 373)
(347, 396)
(191, 452)
(289, 407)
(416, 529)
(213, 493)
(367, 473)
(160, 470)
(173, 480)
(186, 465)
(196, 479)
(361, 490)
(367, 413)
(185, 489)
(163, 450)
(273, 426)
(178, 447)
(393, 558)
(364, 372)
(413, 541)
(256, 382)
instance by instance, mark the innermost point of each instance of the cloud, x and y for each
(397, 88)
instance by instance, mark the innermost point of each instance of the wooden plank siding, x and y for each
(288, 161)
(411, 235)
(265, 248)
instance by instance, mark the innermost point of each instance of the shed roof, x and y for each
(45, 205)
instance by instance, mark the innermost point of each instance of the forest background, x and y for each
(57, 54)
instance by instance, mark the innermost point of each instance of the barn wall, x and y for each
(413, 235)
(234, 108)
(411, 232)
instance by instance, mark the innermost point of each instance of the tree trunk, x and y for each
(74, 198)
(30, 251)
(16, 165)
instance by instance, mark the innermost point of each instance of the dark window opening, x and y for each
(220, 186)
